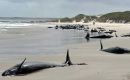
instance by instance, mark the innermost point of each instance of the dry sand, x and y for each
(101, 65)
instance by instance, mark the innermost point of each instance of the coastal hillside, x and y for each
(84, 17)
(118, 17)
(113, 17)
(78, 18)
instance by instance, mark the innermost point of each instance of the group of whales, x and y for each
(100, 36)
(29, 67)
(115, 50)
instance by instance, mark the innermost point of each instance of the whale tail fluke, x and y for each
(101, 44)
(116, 35)
(68, 61)
(87, 35)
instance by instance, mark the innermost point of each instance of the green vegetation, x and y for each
(78, 18)
(66, 19)
(116, 17)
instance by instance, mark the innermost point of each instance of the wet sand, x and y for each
(101, 65)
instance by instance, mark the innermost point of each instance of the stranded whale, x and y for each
(115, 50)
(29, 67)
(100, 36)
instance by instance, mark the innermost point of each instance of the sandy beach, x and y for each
(100, 65)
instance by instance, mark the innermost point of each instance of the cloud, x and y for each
(34, 1)
(60, 8)
(22, 1)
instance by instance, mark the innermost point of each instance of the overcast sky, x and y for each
(60, 8)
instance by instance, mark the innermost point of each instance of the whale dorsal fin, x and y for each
(68, 61)
(20, 66)
(101, 44)
(87, 35)
(116, 35)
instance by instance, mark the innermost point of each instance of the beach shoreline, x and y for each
(101, 65)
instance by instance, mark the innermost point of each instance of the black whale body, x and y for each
(28, 67)
(126, 35)
(115, 50)
(102, 36)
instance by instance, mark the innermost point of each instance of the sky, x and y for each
(60, 8)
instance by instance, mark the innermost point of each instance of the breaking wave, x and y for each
(14, 25)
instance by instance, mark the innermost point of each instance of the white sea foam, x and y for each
(14, 25)
(25, 25)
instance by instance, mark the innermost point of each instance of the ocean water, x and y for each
(25, 38)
